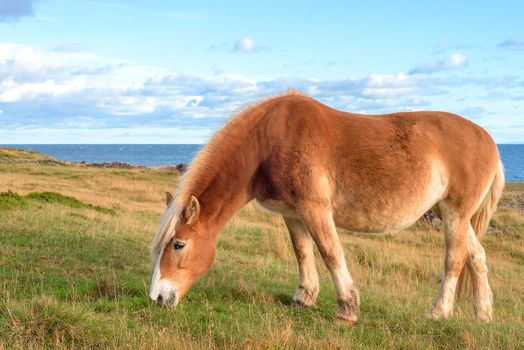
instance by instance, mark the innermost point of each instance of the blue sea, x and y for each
(162, 155)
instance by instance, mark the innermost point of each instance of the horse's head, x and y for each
(182, 251)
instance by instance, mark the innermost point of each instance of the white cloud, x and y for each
(188, 101)
(242, 45)
(23, 63)
(456, 60)
(14, 92)
(246, 45)
(84, 92)
(129, 105)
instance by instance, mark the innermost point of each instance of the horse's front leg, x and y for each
(319, 221)
(307, 292)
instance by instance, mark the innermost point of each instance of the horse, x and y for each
(320, 168)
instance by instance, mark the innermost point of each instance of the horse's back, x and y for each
(377, 172)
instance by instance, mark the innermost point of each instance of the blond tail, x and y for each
(480, 220)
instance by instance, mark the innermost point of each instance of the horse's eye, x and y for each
(178, 245)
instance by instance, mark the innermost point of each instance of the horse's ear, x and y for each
(169, 197)
(192, 211)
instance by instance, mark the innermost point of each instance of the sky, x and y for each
(93, 71)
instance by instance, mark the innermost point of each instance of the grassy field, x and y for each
(75, 270)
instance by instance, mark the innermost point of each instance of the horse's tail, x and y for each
(481, 218)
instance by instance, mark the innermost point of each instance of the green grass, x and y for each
(12, 154)
(75, 270)
(11, 199)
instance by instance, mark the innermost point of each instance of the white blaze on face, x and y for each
(161, 286)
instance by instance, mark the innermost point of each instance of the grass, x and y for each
(10, 199)
(75, 270)
(12, 154)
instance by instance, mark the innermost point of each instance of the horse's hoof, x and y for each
(345, 322)
(349, 310)
(486, 316)
(303, 299)
(297, 304)
(436, 315)
(300, 304)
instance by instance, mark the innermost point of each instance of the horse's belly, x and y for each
(392, 209)
(377, 221)
(377, 210)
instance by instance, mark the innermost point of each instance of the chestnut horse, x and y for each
(321, 168)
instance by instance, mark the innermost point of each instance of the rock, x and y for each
(181, 168)
(177, 169)
(116, 165)
(431, 218)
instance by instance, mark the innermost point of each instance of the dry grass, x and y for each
(78, 277)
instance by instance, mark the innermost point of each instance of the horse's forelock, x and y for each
(166, 229)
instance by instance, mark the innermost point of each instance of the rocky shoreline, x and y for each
(43, 159)
(180, 168)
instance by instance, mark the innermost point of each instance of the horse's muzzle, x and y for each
(171, 300)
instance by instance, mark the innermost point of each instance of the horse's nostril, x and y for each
(159, 300)
(171, 300)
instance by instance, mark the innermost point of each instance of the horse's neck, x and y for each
(228, 189)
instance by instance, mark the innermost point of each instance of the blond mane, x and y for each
(205, 162)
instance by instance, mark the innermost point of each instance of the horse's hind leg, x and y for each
(482, 295)
(307, 292)
(456, 228)
(319, 221)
